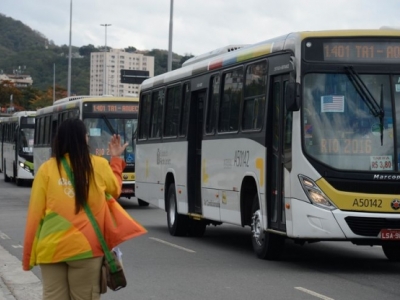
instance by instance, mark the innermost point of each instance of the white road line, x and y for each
(313, 293)
(17, 246)
(4, 236)
(172, 245)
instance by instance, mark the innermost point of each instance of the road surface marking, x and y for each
(17, 246)
(313, 293)
(4, 236)
(172, 245)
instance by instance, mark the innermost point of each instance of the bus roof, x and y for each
(75, 101)
(291, 41)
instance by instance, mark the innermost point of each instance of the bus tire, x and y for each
(142, 203)
(6, 178)
(19, 181)
(177, 224)
(196, 228)
(392, 251)
(266, 245)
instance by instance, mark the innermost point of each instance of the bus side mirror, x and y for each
(292, 96)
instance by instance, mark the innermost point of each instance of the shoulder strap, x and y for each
(110, 258)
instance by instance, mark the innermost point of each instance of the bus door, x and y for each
(195, 134)
(276, 154)
(16, 148)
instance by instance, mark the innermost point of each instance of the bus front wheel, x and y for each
(392, 251)
(266, 245)
(177, 224)
(142, 203)
(197, 228)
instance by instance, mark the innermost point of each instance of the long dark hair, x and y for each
(71, 139)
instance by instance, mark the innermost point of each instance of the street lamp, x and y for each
(105, 65)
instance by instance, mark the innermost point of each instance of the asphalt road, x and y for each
(221, 265)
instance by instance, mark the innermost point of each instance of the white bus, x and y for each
(103, 116)
(16, 147)
(297, 137)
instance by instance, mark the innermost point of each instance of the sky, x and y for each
(199, 26)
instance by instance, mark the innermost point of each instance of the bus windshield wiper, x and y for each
(382, 114)
(364, 92)
(109, 126)
(366, 95)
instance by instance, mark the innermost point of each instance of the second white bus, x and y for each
(16, 146)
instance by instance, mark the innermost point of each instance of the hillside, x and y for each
(30, 52)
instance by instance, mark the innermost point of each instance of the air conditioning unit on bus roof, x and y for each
(71, 98)
(213, 53)
(389, 28)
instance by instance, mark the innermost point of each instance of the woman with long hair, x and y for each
(59, 236)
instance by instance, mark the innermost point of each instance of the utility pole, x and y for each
(54, 83)
(105, 62)
(70, 51)
(170, 36)
(11, 104)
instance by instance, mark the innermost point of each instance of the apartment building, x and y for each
(105, 76)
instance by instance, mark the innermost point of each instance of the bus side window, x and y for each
(213, 103)
(73, 114)
(231, 100)
(185, 109)
(144, 116)
(156, 113)
(172, 107)
(254, 96)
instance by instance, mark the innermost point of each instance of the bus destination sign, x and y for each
(353, 51)
(356, 52)
(115, 108)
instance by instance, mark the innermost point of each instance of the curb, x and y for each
(16, 284)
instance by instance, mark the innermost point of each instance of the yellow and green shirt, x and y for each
(55, 233)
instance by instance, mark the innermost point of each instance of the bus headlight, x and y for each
(314, 193)
(26, 166)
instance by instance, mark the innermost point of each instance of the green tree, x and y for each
(130, 49)
(86, 50)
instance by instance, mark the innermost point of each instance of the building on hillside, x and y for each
(19, 80)
(117, 60)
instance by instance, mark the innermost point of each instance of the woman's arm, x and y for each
(36, 212)
(117, 165)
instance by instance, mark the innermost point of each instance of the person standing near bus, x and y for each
(59, 236)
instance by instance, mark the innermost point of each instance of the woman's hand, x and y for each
(114, 146)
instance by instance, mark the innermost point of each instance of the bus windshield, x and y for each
(26, 140)
(348, 127)
(100, 133)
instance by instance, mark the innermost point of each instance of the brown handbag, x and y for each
(112, 274)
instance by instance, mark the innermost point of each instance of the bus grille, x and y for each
(371, 226)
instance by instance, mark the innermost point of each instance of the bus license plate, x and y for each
(390, 234)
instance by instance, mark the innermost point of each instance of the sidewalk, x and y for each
(16, 284)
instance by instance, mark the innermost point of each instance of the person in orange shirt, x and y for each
(59, 236)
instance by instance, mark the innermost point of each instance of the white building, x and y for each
(19, 80)
(116, 60)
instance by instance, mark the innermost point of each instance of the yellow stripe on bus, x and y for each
(358, 201)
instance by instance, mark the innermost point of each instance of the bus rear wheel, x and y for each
(392, 251)
(266, 245)
(177, 224)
